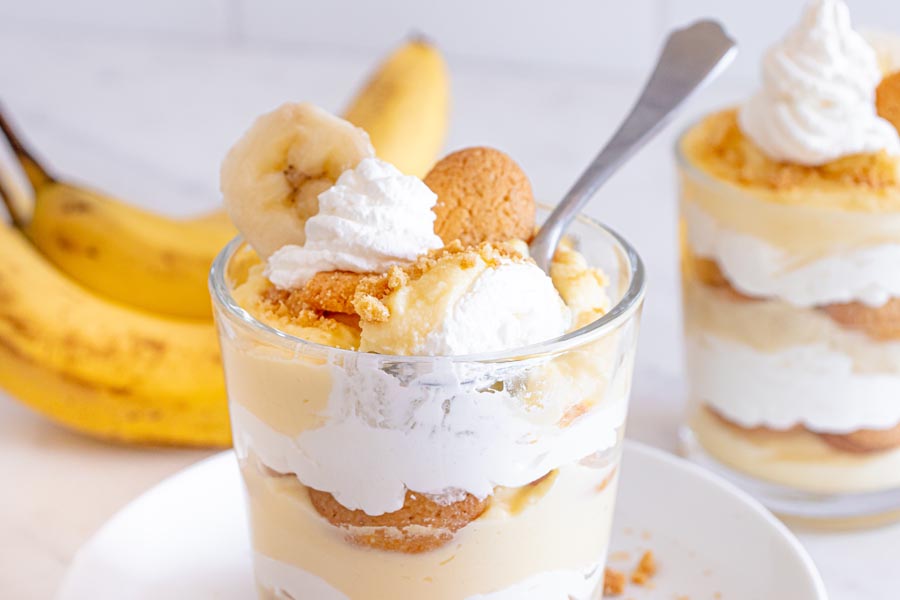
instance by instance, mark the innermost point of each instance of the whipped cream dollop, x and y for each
(510, 306)
(464, 305)
(817, 101)
(372, 218)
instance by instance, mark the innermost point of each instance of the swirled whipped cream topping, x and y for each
(373, 217)
(817, 101)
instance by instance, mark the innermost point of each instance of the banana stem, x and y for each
(35, 172)
(7, 200)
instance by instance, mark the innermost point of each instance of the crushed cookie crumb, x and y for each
(370, 308)
(604, 484)
(613, 582)
(720, 146)
(281, 304)
(645, 569)
(371, 290)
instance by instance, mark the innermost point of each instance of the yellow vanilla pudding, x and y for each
(418, 410)
(790, 217)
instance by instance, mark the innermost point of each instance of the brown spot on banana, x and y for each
(11, 348)
(18, 324)
(75, 206)
(155, 346)
(67, 244)
(74, 344)
(169, 260)
(120, 391)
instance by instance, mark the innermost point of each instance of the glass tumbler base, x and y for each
(821, 511)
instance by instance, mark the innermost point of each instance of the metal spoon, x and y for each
(692, 57)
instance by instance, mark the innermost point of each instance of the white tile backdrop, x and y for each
(615, 36)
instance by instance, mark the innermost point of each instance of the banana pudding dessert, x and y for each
(790, 211)
(418, 410)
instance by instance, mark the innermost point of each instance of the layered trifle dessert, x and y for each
(790, 211)
(419, 411)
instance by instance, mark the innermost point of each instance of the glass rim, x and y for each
(621, 312)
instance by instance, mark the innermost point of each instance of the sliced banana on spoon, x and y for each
(272, 177)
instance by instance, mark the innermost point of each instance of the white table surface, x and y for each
(151, 123)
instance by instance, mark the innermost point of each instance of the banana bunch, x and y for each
(105, 319)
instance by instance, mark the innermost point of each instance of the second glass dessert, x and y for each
(790, 210)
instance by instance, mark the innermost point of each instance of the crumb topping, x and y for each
(373, 289)
(287, 304)
(719, 145)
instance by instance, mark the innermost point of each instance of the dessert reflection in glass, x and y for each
(418, 410)
(790, 211)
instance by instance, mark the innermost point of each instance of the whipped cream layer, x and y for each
(372, 218)
(495, 556)
(452, 428)
(811, 385)
(868, 274)
(817, 101)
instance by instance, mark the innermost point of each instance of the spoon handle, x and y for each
(691, 57)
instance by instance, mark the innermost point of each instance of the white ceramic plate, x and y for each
(187, 538)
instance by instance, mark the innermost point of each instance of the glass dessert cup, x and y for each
(487, 476)
(792, 400)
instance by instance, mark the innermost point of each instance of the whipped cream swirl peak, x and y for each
(817, 101)
(373, 217)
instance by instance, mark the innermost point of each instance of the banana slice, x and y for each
(272, 177)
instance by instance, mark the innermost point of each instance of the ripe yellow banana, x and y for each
(127, 254)
(405, 107)
(100, 367)
(131, 255)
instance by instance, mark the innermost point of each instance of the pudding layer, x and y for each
(569, 515)
(275, 579)
(795, 458)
